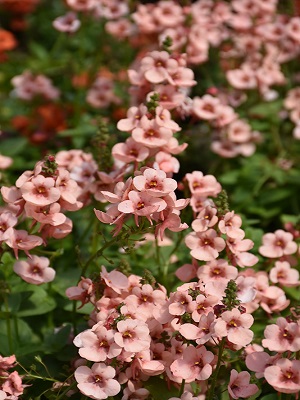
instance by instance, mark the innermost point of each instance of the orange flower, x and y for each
(7, 40)
(19, 6)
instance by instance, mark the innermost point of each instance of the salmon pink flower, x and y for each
(284, 376)
(195, 364)
(278, 244)
(239, 386)
(235, 326)
(283, 274)
(203, 185)
(205, 246)
(40, 191)
(21, 240)
(150, 134)
(35, 270)
(97, 344)
(132, 335)
(154, 182)
(97, 382)
(282, 336)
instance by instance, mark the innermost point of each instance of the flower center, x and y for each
(140, 205)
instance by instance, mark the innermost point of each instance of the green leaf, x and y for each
(37, 303)
(11, 147)
(272, 396)
(57, 340)
(159, 389)
(21, 334)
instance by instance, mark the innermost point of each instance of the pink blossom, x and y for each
(13, 384)
(132, 335)
(7, 220)
(154, 182)
(258, 361)
(67, 23)
(35, 270)
(97, 344)
(239, 386)
(81, 5)
(207, 218)
(235, 326)
(278, 244)
(230, 225)
(97, 382)
(205, 246)
(206, 107)
(165, 162)
(217, 270)
(114, 279)
(284, 336)
(21, 240)
(201, 333)
(5, 162)
(283, 274)
(46, 215)
(203, 185)
(150, 134)
(158, 67)
(284, 376)
(40, 191)
(141, 204)
(195, 364)
(130, 151)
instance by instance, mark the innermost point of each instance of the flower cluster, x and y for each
(11, 386)
(42, 196)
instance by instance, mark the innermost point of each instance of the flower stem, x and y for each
(181, 388)
(216, 372)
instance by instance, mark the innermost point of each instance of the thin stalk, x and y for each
(216, 372)
(8, 327)
(181, 388)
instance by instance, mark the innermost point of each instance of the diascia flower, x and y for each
(284, 376)
(97, 382)
(239, 386)
(35, 270)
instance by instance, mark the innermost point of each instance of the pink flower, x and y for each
(203, 185)
(141, 204)
(97, 344)
(150, 134)
(154, 182)
(13, 385)
(158, 67)
(67, 23)
(278, 244)
(207, 218)
(235, 326)
(206, 107)
(283, 274)
(130, 151)
(132, 335)
(35, 270)
(40, 191)
(284, 376)
(195, 364)
(284, 336)
(97, 382)
(239, 386)
(21, 240)
(205, 246)
(165, 162)
(218, 270)
(201, 333)
(115, 280)
(7, 220)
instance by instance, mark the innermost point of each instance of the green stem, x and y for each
(181, 388)
(8, 327)
(62, 395)
(216, 372)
